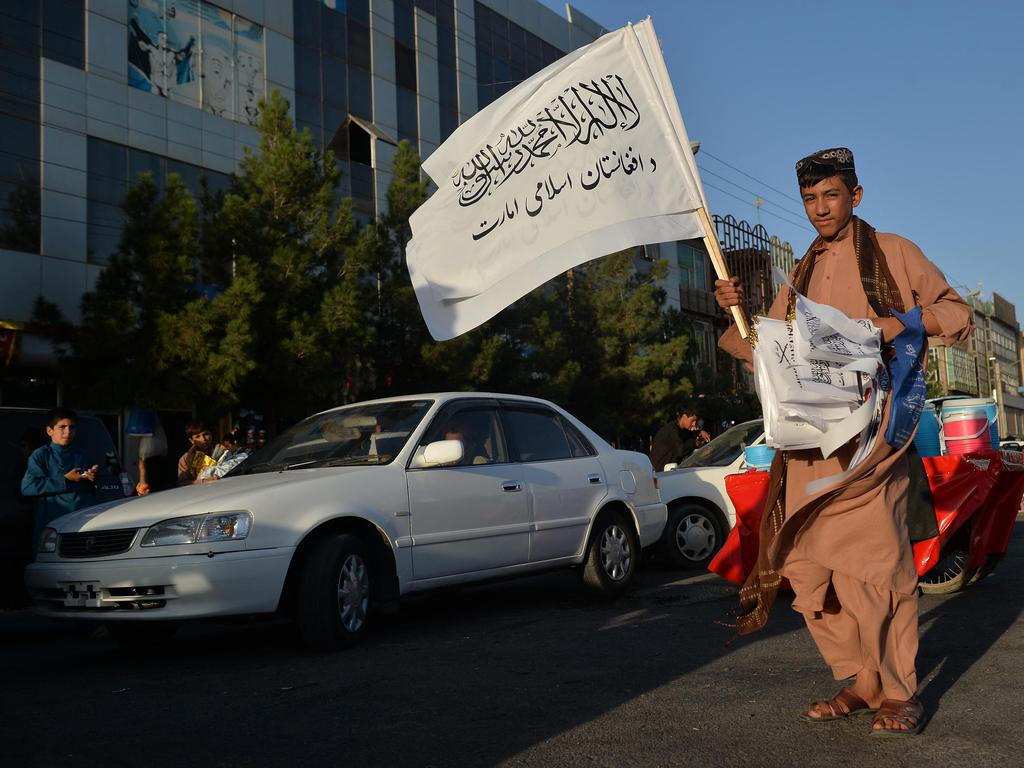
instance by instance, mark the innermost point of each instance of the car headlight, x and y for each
(196, 529)
(48, 541)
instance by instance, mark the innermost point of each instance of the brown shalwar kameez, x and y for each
(845, 549)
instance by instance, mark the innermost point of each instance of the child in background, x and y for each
(55, 478)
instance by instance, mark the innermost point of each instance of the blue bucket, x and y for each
(759, 456)
(926, 439)
(968, 405)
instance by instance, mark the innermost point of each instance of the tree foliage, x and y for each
(270, 298)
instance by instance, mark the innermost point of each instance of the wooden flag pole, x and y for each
(721, 268)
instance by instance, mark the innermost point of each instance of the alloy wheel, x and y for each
(353, 593)
(616, 553)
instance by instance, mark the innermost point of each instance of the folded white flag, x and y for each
(817, 378)
(587, 157)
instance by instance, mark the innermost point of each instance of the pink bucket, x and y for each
(966, 432)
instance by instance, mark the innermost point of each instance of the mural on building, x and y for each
(198, 54)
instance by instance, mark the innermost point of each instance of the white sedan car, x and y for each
(700, 512)
(358, 506)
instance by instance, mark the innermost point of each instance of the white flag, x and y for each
(587, 157)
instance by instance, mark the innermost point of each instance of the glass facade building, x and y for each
(96, 92)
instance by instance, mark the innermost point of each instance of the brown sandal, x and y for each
(844, 704)
(909, 713)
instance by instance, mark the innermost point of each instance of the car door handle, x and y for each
(594, 479)
(511, 486)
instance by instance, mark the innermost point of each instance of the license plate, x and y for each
(82, 594)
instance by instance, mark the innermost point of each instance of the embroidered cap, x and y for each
(837, 159)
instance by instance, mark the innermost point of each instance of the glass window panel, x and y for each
(307, 109)
(307, 71)
(108, 171)
(536, 435)
(516, 35)
(362, 181)
(333, 37)
(430, 6)
(358, 44)
(445, 14)
(359, 94)
(19, 151)
(140, 162)
(63, 37)
(307, 22)
(405, 24)
(446, 47)
(405, 66)
(359, 10)
(335, 80)
(448, 86)
(407, 123)
(19, 214)
(449, 121)
(19, 86)
(484, 95)
(190, 175)
(484, 68)
(334, 118)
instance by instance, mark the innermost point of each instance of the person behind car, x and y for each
(56, 478)
(678, 439)
(473, 449)
(197, 457)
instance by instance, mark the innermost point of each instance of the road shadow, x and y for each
(959, 630)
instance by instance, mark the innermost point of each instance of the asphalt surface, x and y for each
(527, 673)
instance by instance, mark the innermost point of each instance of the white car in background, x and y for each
(355, 507)
(700, 513)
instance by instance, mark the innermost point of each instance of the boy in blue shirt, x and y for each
(55, 478)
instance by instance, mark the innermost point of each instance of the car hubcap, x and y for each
(616, 554)
(695, 537)
(353, 593)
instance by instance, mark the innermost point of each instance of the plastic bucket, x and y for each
(926, 439)
(759, 456)
(966, 432)
(972, 405)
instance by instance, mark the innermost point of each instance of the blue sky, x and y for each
(928, 94)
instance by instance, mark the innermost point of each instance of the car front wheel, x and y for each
(612, 554)
(334, 594)
(693, 535)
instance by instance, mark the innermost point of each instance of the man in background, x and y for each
(678, 439)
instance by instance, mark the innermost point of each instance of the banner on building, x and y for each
(587, 157)
(196, 53)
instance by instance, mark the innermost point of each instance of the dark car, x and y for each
(21, 431)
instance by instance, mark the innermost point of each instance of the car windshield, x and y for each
(373, 433)
(727, 447)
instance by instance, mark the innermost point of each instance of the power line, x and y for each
(749, 191)
(769, 213)
(752, 178)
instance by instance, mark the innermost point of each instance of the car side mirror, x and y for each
(442, 452)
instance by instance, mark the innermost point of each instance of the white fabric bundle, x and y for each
(818, 379)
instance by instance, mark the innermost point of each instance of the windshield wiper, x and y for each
(340, 461)
(276, 466)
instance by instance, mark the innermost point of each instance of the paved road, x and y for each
(528, 673)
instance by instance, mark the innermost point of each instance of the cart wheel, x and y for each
(990, 565)
(950, 573)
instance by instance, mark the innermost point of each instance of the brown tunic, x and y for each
(859, 528)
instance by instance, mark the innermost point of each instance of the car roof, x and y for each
(444, 397)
